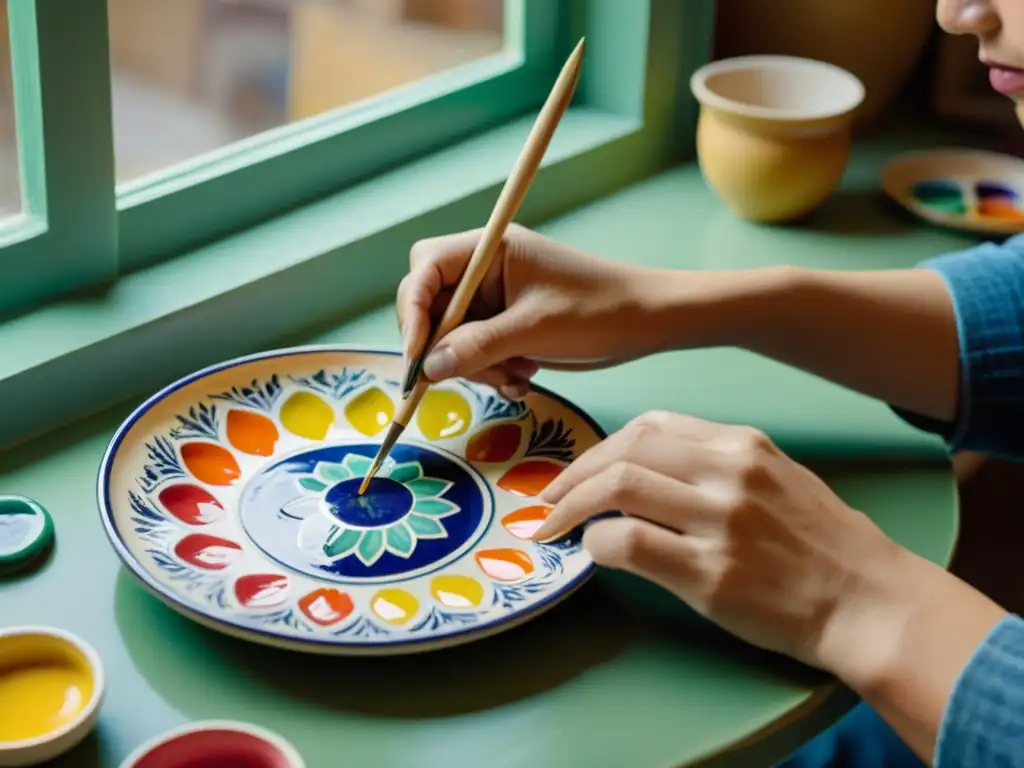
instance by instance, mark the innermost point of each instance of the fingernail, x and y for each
(440, 364)
(544, 533)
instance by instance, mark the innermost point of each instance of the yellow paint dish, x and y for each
(443, 414)
(51, 685)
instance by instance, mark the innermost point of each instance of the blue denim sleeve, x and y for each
(983, 725)
(986, 284)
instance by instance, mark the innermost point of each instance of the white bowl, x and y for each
(74, 717)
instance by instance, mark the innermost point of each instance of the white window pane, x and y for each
(190, 76)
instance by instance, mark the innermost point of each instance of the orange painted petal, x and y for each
(210, 464)
(505, 564)
(326, 606)
(524, 522)
(529, 478)
(252, 433)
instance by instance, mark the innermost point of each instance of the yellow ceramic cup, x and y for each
(773, 138)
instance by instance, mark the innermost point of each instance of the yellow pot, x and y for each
(773, 138)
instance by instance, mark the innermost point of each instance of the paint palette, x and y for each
(232, 496)
(969, 190)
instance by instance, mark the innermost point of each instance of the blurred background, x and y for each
(190, 76)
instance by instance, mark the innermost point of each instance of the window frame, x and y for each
(79, 229)
(344, 254)
(65, 236)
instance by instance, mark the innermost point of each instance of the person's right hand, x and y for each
(542, 304)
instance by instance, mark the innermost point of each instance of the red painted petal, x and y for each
(326, 606)
(210, 553)
(261, 590)
(495, 445)
(191, 504)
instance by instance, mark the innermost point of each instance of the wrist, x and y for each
(689, 309)
(905, 632)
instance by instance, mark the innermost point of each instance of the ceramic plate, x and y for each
(963, 189)
(231, 496)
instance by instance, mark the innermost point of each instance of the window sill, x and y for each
(329, 259)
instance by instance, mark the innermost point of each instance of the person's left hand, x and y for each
(749, 538)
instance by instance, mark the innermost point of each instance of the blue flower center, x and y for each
(386, 501)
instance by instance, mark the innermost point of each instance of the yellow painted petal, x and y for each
(456, 591)
(443, 414)
(306, 415)
(395, 606)
(370, 411)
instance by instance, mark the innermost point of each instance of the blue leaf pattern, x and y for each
(201, 422)
(163, 464)
(362, 628)
(437, 619)
(551, 439)
(262, 397)
(337, 385)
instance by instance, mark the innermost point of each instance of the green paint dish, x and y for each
(944, 196)
(26, 533)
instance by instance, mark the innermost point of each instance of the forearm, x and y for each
(903, 644)
(888, 334)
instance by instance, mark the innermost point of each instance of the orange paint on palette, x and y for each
(261, 590)
(524, 522)
(326, 606)
(252, 433)
(529, 478)
(1000, 208)
(210, 463)
(505, 564)
(495, 445)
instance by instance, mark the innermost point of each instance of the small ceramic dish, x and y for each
(964, 189)
(216, 744)
(26, 533)
(51, 686)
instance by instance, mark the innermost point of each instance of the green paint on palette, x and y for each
(942, 196)
(26, 533)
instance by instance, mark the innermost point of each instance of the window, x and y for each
(310, 216)
(10, 177)
(155, 126)
(191, 76)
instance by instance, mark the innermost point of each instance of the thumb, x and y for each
(474, 346)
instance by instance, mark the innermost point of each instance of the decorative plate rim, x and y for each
(313, 644)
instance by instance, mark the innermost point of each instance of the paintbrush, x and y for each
(504, 212)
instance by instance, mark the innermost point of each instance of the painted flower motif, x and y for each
(401, 507)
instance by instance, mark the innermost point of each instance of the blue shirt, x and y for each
(983, 723)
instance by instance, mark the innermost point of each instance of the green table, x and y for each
(617, 676)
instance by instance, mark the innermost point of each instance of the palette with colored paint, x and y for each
(971, 190)
(232, 496)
